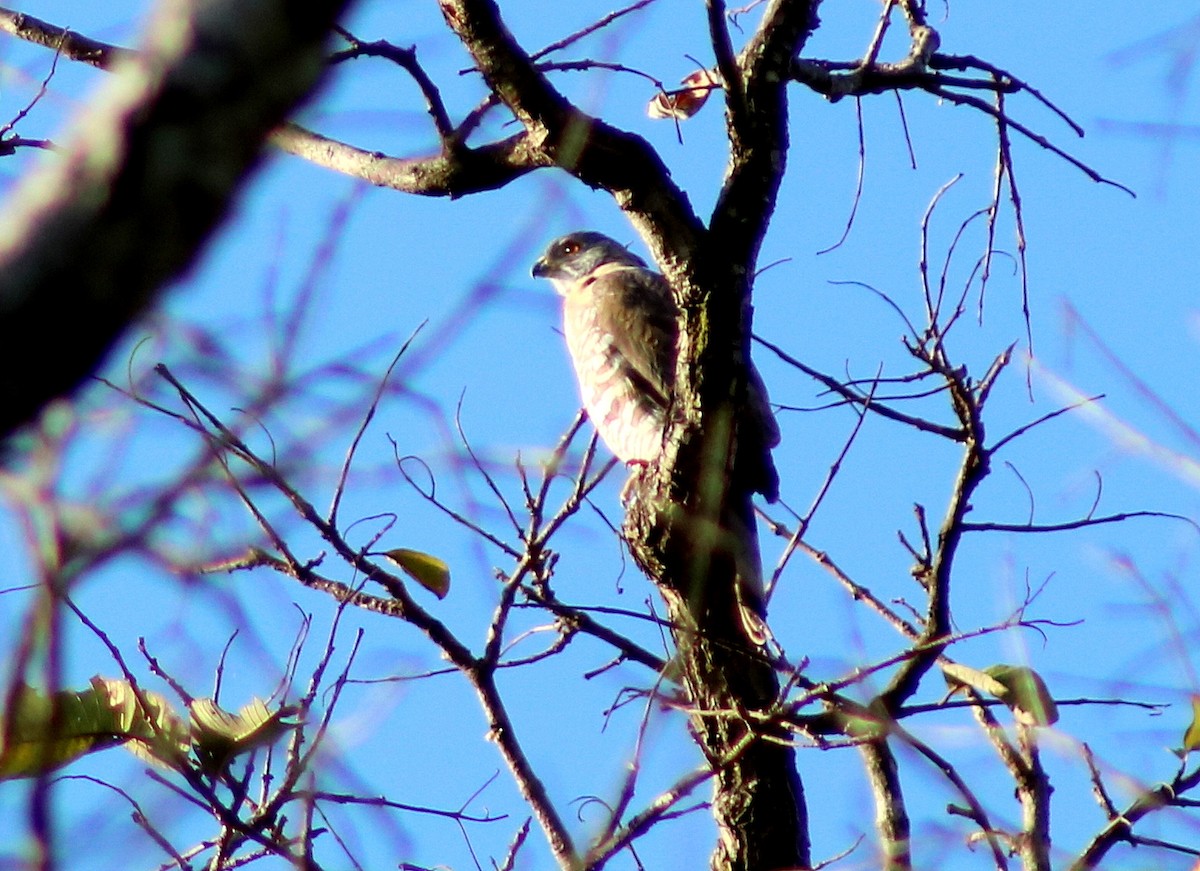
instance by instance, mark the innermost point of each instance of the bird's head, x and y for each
(572, 257)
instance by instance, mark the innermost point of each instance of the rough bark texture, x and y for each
(681, 511)
(152, 171)
(181, 144)
(758, 799)
(677, 527)
(698, 495)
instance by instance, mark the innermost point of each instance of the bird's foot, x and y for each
(637, 469)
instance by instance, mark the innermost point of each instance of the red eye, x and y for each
(570, 248)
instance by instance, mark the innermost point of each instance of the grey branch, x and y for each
(90, 240)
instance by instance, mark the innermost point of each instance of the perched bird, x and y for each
(621, 325)
(620, 322)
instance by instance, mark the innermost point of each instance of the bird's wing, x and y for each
(764, 436)
(634, 306)
(760, 406)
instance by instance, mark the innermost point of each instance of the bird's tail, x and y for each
(750, 592)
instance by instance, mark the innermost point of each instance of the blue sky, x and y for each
(1125, 267)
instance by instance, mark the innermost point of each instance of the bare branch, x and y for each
(406, 58)
(468, 171)
(1072, 524)
(66, 42)
(596, 153)
(853, 396)
(891, 816)
(595, 26)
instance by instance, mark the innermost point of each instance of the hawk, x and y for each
(621, 324)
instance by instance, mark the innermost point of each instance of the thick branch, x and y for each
(66, 42)
(596, 153)
(891, 816)
(88, 242)
(452, 172)
(759, 800)
(758, 135)
(466, 171)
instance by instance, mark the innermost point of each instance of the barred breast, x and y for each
(629, 420)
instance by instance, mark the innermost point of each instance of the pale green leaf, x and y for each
(959, 676)
(1191, 738)
(217, 735)
(1026, 693)
(149, 724)
(43, 732)
(427, 570)
(1019, 687)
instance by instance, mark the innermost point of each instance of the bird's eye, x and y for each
(570, 248)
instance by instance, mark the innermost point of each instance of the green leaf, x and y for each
(150, 726)
(218, 735)
(46, 732)
(866, 723)
(1019, 687)
(41, 733)
(1191, 738)
(427, 570)
(958, 676)
(30, 748)
(1026, 693)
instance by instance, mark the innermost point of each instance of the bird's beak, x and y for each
(540, 269)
